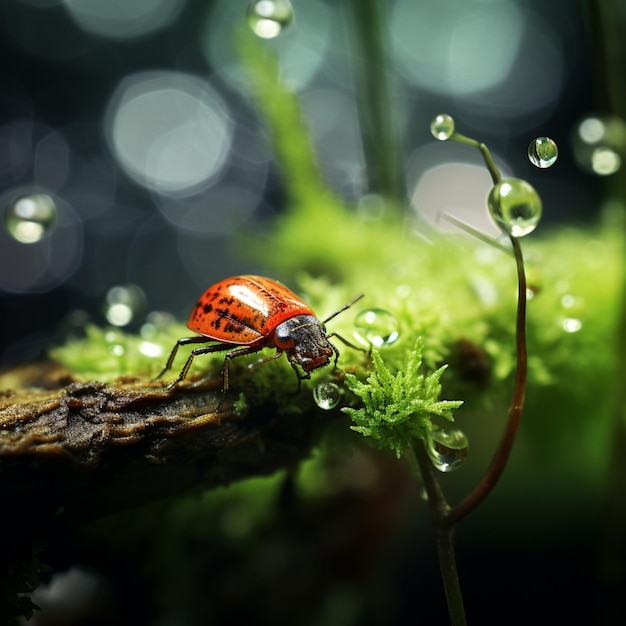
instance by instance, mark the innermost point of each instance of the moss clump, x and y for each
(398, 408)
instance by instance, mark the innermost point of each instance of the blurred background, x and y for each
(132, 155)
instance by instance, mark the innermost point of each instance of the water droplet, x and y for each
(543, 152)
(376, 327)
(442, 127)
(571, 324)
(268, 18)
(124, 304)
(29, 218)
(599, 144)
(515, 206)
(326, 395)
(447, 448)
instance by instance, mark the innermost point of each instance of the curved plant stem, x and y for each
(444, 517)
(489, 162)
(491, 477)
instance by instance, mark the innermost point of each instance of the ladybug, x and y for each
(244, 314)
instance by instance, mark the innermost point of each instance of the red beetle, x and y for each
(249, 313)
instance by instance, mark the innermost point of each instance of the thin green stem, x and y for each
(444, 537)
(445, 518)
(493, 473)
(490, 241)
(489, 162)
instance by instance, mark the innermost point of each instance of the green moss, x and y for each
(398, 408)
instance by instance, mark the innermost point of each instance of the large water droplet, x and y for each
(327, 395)
(268, 18)
(30, 217)
(599, 144)
(442, 127)
(447, 448)
(543, 152)
(515, 206)
(376, 327)
(124, 304)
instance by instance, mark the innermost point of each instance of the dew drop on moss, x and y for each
(515, 206)
(376, 327)
(447, 448)
(326, 395)
(269, 18)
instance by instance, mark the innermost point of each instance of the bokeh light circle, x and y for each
(486, 54)
(123, 20)
(169, 131)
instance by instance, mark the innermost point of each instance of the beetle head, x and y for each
(303, 338)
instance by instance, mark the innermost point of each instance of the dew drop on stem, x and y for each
(269, 18)
(515, 206)
(442, 127)
(447, 448)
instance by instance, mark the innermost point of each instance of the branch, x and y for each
(91, 448)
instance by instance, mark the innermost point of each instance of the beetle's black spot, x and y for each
(245, 321)
(233, 327)
(227, 300)
(207, 308)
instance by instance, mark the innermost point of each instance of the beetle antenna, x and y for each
(343, 308)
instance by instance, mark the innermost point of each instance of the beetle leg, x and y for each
(300, 375)
(265, 359)
(181, 342)
(242, 351)
(218, 347)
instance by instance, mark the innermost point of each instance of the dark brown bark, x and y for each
(82, 450)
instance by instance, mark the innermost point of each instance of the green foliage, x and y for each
(398, 408)
(107, 353)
